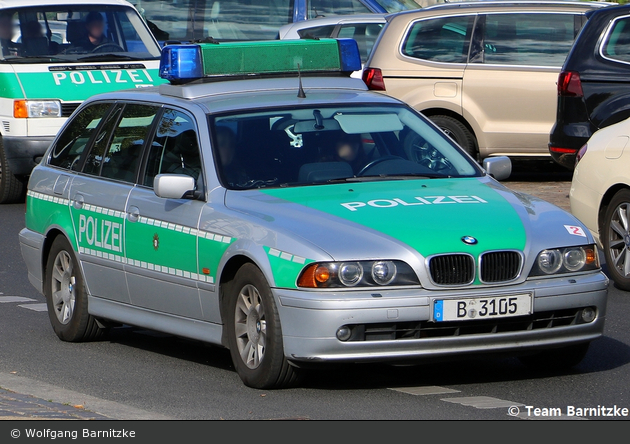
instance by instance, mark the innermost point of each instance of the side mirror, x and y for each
(173, 186)
(499, 167)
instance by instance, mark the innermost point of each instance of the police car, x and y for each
(265, 201)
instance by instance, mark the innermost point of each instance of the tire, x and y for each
(66, 296)
(457, 131)
(615, 235)
(254, 332)
(556, 359)
(11, 188)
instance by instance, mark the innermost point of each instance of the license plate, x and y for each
(469, 309)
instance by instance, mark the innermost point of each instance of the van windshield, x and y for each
(72, 33)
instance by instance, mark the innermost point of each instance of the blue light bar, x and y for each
(181, 62)
(349, 54)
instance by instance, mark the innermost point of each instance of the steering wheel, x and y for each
(115, 47)
(376, 162)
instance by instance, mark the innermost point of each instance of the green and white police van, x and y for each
(298, 225)
(53, 55)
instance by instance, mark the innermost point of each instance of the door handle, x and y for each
(79, 200)
(133, 214)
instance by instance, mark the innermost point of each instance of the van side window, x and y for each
(125, 146)
(617, 45)
(174, 149)
(440, 40)
(538, 39)
(67, 150)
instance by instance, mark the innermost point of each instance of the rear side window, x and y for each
(617, 44)
(536, 39)
(67, 150)
(440, 40)
(319, 32)
(365, 35)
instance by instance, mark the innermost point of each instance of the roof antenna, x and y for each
(301, 94)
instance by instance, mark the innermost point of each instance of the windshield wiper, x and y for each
(386, 177)
(108, 57)
(32, 59)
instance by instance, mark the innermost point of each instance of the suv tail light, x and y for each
(373, 78)
(569, 84)
(581, 153)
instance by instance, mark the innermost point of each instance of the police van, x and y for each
(266, 201)
(53, 55)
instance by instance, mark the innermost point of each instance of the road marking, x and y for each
(35, 307)
(15, 299)
(483, 402)
(425, 390)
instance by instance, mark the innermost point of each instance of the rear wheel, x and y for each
(66, 296)
(254, 333)
(557, 358)
(616, 239)
(457, 131)
(11, 188)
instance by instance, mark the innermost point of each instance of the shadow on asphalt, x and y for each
(538, 171)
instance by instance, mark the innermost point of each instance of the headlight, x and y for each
(36, 108)
(566, 260)
(357, 274)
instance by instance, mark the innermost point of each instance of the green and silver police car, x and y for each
(265, 201)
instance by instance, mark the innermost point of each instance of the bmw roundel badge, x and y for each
(469, 240)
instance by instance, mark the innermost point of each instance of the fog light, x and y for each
(344, 333)
(588, 314)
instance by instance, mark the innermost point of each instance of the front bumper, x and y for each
(311, 319)
(23, 153)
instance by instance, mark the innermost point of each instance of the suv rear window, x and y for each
(536, 39)
(440, 40)
(617, 44)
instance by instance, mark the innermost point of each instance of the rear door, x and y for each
(509, 90)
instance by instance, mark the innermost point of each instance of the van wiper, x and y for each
(32, 59)
(108, 57)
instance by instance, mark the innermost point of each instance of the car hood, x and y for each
(380, 219)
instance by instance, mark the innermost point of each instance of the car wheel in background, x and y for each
(254, 333)
(66, 296)
(11, 188)
(457, 131)
(615, 236)
(557, 358)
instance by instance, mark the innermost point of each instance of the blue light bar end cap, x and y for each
(349, 55)
(181, 63)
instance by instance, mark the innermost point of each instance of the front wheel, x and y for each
(11, 188)
(254, 333)
(457, 131)
(615, 236)
(66, 296)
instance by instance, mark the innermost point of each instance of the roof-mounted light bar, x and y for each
(183, 63)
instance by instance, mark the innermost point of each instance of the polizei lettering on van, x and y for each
(425, 200)
(133, 76)
(100, 233)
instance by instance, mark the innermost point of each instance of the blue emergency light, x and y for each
(182, 63)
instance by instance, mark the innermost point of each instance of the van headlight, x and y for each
(36, 108)
(357, 274)
(565, 260)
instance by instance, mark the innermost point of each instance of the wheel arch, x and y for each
(603, 206)
(49, 239)
(429, 112)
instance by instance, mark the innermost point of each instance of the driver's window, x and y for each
(174, 149)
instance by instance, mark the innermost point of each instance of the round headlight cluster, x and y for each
(357, 274)
(566, 260)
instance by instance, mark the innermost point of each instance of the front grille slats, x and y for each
(500, 266)
(428, 330)
(452, 269)
(67, 108)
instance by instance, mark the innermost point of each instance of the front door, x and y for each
(161, 234)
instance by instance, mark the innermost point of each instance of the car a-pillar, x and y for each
(12, 187)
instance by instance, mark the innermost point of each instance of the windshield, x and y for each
(398, 5)
(70, 33)
(331, 144)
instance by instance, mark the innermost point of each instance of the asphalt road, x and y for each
(135, 373)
